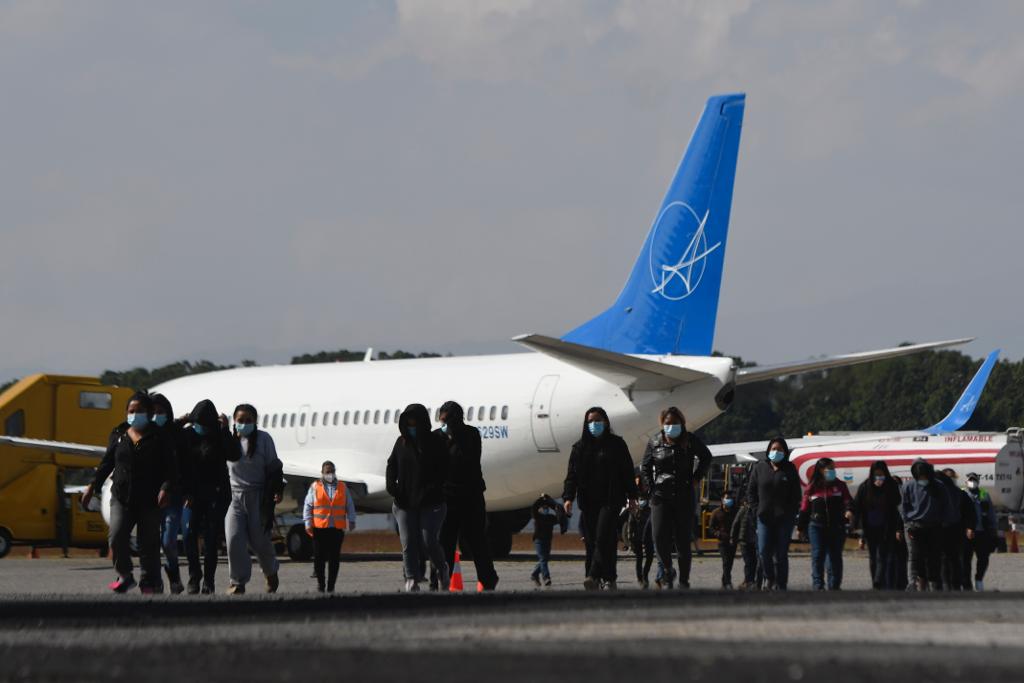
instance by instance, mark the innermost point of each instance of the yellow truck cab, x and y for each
(39, 504)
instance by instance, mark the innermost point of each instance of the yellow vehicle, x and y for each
(38, 504)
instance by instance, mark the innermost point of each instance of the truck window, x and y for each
(14, 425)
(95, 400)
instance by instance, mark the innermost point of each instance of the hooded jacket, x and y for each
(139, 470)
(825, 504)
(960, 508)
(546, 514)
(205, 458)
(600, 471)
(774, 493)
(923, 505)
(416, 468)
(670, 470)
(878, 507)
(464, 476)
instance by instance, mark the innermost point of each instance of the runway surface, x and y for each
(57, 623)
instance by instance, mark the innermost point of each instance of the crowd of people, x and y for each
(212, 479)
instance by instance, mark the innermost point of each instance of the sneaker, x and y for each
(684, 585)
(321, 588)
(547, 582)
(122, 584)
(444, 578)
(193, 587)
(207, 589)
(411, 586)
(535, 579)
(590, 584)
(643, 584)
(233, 589)
(148, 590)
(273, 583)
(659, 582)
(610, 586)
(979, 585)
(727, 586)
(177, 588)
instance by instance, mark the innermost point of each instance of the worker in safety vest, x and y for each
(329, 511)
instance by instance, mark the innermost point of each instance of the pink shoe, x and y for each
(122, 585)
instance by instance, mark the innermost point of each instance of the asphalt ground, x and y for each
(58, 622)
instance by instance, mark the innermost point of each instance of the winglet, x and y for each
(964, 408)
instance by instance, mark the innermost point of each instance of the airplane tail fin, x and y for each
(670, 302)
(968, 401)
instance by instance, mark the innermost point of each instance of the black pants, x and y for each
(981, 545)
(953, 557)
(926, 555)
(206, 520)
(902, 560)
(752, 574)
(728, 552)
(882, 557)
(600, 534)
(644, 549)
(673, 526)
(327, 550)
(465, 525)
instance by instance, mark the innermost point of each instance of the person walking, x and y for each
(902, 549)
(957, 528)
(641, 536)
(720, 526)
(206, 490)
(328, 512)
(877, 504)
(825, 510)
(600, 478)
(171, 515)
(674, 462)
(415, 478)
(465, 521)
(773, 493)
(546, 515)
(923, 508)
(985, 533)
(144, 470)
(257, 484)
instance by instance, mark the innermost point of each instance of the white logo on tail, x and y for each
(681, 279)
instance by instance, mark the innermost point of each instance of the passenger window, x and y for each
(366, 417)
(481, 414)
(273, 422)
(264, 421)
(95, 400)
(398, 414)
(469, 416)
(302, 419)
(376, 417)
(291, 421)
(14, 425)
(355, 417)
(336, 415)
(504, 412)
(494, 412)
(344, 419)
(313, 423)
(437, 415)
(387, 416)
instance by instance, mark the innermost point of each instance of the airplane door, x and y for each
(302, 426)
(540, 415)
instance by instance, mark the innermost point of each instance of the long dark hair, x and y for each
(818, 476)
(779, 440)
(588, 438)
(873, 491)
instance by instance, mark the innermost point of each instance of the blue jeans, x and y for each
(543, 548)
(827, 542)
(170, 525)
(773, 538)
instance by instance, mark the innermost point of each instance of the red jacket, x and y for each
(825, 505)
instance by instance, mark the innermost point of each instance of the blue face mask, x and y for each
(728, 502)
(921, 482)
(830, 475)
(411, 431)
(880, 478)
(245, 428)
(444, 427)
(776, 456)
(673, 431)
(199, 429)
(137, 420)
(595, 428)
(160, 419)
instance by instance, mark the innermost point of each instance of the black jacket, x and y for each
(204, 460)
(879, 507)
(669, 470)
(546, 514)
(139, 470)
(721, 523)
(416, 468)
(774, 493)
(600, 473)
(464, 476)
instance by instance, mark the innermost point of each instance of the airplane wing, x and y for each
(362, 484)
(763, 372)
(751, 451)
(53, 446)
(618, 368)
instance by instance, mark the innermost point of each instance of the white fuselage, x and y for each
(528, 407)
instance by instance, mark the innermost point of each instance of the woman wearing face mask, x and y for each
(878, 507)
(328, 513)
(720, 525)
(171, 516)
(144, 472)
(773, 493)
(825, 510)
(254, 471)
(415, 478)
(923, 508)
(983, 541)
(674, 463)
(600, 479)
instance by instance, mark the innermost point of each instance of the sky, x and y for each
(261, 179)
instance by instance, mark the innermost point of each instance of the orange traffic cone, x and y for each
(479, 587)
(455, 584)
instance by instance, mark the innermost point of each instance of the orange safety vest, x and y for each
(330, 513)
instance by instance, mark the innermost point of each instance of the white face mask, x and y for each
(330, 478)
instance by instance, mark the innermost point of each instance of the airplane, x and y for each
(650, 349)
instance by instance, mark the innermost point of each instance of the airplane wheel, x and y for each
(300, 546)
(5, 542)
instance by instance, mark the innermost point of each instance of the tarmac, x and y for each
(58, 622)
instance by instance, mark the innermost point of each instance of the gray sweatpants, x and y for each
(146, 521)
(419, 530)
(244, 530)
